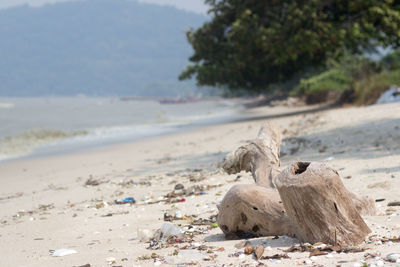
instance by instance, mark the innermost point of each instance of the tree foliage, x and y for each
(252, 44)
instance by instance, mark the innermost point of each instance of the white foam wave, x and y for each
(25, 143)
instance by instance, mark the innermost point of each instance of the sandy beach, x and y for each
(70, 201)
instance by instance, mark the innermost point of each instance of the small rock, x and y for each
(241, 256)
(248, 250)
(393, 257)
(179, 187)
(380, 263)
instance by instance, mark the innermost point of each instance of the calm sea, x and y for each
(45, 126)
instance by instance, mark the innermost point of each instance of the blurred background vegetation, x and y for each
(320, 50)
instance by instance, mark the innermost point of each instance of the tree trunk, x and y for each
(260, 156)
(317, 202)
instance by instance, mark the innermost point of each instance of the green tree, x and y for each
(252, 44)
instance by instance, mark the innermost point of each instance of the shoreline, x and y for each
(45, 204)
(53, 140)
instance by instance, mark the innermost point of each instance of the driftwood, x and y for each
(260, 156)
(253, 209)
(310, 197)
(319, 205)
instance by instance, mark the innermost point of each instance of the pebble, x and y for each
(179, 187)
(380, 263)
(393, 257)
(157, 263)
(313, 258)
(329, 256)
(357, 264)
(241, 256)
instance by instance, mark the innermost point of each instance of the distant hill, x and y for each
(96, 47)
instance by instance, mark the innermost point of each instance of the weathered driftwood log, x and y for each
(253, 209)
(364, 205)
(317, 202)
(260, 156)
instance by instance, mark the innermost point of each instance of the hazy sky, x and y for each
(191, 5)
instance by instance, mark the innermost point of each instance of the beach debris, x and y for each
(169, 229)
(372, 255)
(394, 203)
(393, 257)
(111, 260)
(323, 249)
(85, 265)
(380, 200)
(62, 252)
(128, 183)
(195, 190)
(56, 188)
(248, 250)
(259, 251)
(127, 200)
(179, 187)
(94, 182)
(144, 235)
(18, 194)
(173, 214)
(317, 252)
(276, 257)
(308, 262)
(303, 185)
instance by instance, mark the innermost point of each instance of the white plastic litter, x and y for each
(168, 229)
(111, 259)
(63, 252)
(393, 257)
(144, 235)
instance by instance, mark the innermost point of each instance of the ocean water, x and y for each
(55, 125)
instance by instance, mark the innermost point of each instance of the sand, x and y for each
(45, 204)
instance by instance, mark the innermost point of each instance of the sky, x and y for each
(197, 6)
